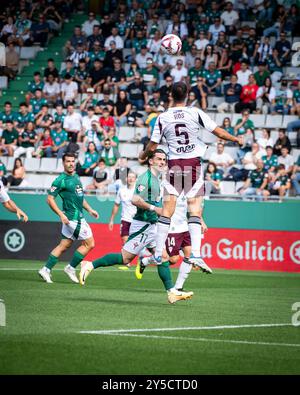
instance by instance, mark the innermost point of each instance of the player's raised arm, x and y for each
(155, 139)
(224, 135)
(151, 147)
(90, 210)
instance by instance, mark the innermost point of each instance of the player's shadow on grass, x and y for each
(119, 302)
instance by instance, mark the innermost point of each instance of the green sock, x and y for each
(52, 261)
(77, 258)
(164, 273)
(108, 260)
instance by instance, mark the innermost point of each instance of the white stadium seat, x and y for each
(126, 133)
(28, 52)
(86, 181)
(227, 187)
(295, 153)
(259, 120)
(32, 164)
(142, 132)
(209, 151)
(48, 180)
(48, 165)
(289, 118)
(130, 150)
(238, 185)
(35, 180)
(273, 121)
(59, 166)
(10, 163)
(4, 160)
(234, 118)
(3, 82)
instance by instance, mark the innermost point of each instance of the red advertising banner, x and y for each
(239, 249)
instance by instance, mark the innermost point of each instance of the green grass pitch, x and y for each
(43, 323)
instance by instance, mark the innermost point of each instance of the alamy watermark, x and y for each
(2, 313)
(296, 315)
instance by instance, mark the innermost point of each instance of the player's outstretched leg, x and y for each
(106, 260)
(184, 271)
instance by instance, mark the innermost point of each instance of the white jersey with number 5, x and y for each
(182, 127)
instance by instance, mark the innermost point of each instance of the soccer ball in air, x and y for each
(171, 44)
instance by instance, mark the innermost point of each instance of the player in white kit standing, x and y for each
(181, 127)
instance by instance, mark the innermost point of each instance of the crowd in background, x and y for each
(115, 75)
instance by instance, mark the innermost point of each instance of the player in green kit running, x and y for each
(74, 227)
(147, 199)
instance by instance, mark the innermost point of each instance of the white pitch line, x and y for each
(189, 328)
(203, 339)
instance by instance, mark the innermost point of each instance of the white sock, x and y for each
(163, 226)
(184, 271)
(147, 260)
(195, 232)
(47, 270)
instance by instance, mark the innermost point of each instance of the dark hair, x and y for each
(179, 91)
(68, 155)
(211, 164)
(23, 104)
(37, 73)
(7, 103)
(153, 153)
(269, 147)
(101, 161)
(50, 60)
(15, 164)
(107, 140)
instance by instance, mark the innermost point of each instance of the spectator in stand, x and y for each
(33, 85)
(138, 95)
(39, 31)
(256, 183)
(225, 63)
(72, 123)
(209, 55)
(230, 18)
(212, 179)
(37, 102)
(80, 76)
(244, 125)
(100, 177)
(90, 161)
(110, 154)
(113, 54)
(51, 69)
(192, 100)
(106, 26)
(12, 58)
(202, 41)
(78, 37)
(78, 54)
(179, 73)
(88, 25)
(8, 30)
(213, 79)
(26, 141)
(142, 56)
(264, 50)
(221, 159)
(117, 77)
(22, 29)
(45, 148)
(214, 30)
(226, 125)
(153, 43)
(106, 102)
(43, 118)
(261, 74)
(106, 121)
(7, 114)
(124, 28)
(283, 47)
(88, 119)
(283, 100)
(265, 96)
(51, 90)
(296, 100)
(280, 183)
(68, 70)
(9, 139)
(287, 160)
(195, 72)
(114, 37)
(296, 176)
(95, 42)
(275, 66)
(165, 89)
(248, 96)
(265, 140)
(98, 76)
(137, 43)
(252, 157)
(24, 115)
(54, 18)
(60, 139)
(191, 56)
(201, 92)
(94, 135)
(232, 92)
(177, 27)
(150, 76)
(244, 73)
(69, 90)
(282, 141)
(270, 160)
(122, 108)
(18, 174)
(59, 114)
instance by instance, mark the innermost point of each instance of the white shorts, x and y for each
(77, 230)
(141, 235)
